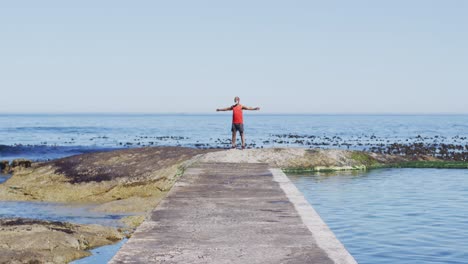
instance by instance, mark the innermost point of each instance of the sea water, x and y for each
(41, 136)
(394, 215)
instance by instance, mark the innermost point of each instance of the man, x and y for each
(237, 120)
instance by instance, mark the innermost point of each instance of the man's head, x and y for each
(236, 99)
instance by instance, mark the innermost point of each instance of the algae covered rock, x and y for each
(102, 177)
(37, 241)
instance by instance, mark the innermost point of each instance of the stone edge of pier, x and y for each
(324, 237)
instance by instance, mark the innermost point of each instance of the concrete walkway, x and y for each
(233, 213)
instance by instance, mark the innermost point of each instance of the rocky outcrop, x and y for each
(130, 165)
(122, 178)
(36, 241)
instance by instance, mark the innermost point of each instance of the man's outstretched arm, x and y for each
(250, 108)
(224, 109)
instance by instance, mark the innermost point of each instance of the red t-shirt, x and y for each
(237, 117)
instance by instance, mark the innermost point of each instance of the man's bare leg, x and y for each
(243, 140)
(234, 139)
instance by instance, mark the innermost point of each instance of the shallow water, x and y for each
(82, 214)
(58, 212)
(394, 215)
(102, 254)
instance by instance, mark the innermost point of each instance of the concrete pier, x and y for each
(233, 213)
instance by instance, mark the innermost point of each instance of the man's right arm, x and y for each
(224, 109)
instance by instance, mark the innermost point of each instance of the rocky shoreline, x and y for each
(454, 147)
(36, 241)
(134, 181)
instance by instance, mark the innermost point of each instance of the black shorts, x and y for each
(237, 127)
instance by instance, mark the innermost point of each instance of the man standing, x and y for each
(237, 120)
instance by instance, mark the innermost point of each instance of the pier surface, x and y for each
(233, 213)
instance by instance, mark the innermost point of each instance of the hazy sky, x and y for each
(194, 56)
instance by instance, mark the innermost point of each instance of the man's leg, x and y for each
(242, 138)
(234, 132)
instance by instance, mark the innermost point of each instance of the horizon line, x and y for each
(217, 113)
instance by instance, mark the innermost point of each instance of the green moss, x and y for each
(432, 164)
(377, 165)
(364, 159)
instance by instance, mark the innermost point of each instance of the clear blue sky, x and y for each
(194, 56)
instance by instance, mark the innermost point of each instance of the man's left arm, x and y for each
(250, 108)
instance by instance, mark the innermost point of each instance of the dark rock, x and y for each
(130, 163)
(4, 166)
(24, 163)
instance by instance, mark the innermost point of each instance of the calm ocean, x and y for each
(43, 136)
